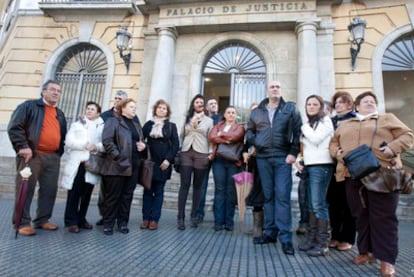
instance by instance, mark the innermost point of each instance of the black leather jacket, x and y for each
(279, 138)
(26, 124)
(117, 141)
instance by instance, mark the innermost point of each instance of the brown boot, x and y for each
(387, 269)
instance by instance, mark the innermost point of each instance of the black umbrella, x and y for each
(21, 198)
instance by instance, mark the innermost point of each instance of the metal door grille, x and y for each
(82, 76)
(247, 88)
(248, 74)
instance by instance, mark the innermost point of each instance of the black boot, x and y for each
(322, 237)
(257, 225)
(180, 224)
(310, 236)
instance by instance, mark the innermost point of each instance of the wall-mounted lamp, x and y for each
(357, 30)
(122, 43)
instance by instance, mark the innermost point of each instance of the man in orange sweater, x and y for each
(37, 130)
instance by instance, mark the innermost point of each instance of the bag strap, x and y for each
(375, 132)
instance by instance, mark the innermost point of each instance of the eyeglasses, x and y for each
(118, 98)
(275, 86)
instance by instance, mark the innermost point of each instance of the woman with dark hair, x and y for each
(195, 157)
(123, 141)
(162, 139)
(83, 138)
(375, 212)
(342, 222)
(316, 135)
(227, 131)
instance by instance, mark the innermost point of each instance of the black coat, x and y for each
(161, 149)
(26, 125)
(279, 137)
(117, 141)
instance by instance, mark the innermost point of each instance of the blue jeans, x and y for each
(224, 193)
(152, 201)
(276, 177)
(318, 182)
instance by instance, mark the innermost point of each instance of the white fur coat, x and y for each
(79, 136)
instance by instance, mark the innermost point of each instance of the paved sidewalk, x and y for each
(170, 252)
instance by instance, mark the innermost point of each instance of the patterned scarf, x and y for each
(156, 131)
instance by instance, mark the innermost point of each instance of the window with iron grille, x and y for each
(235, 72)
(82, 74)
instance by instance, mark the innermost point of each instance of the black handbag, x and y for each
(361, 161)
(230, 152)
(177, 162)
(95, 162)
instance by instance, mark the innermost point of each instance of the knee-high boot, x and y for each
(257, 225)
(322, 237)
(310, 236)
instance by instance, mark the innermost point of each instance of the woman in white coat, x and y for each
(84, 136)
(316, 135)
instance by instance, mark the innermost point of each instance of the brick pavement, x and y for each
(169, 252)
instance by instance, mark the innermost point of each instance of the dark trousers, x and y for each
(152, 201)
(303, 203)
(194, 166)
(77, 202)
(376, 220)
(45, 170)
(204, 186)
(118, 192)
(341, 220)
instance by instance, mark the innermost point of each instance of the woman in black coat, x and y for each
(162, 139)
(123, 143)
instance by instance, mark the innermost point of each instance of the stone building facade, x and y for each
(178, 49)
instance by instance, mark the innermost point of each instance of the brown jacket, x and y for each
(234, 135)
(354, 132)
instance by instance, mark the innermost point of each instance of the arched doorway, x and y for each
(82, 74)
(235, 74)
(398, 80)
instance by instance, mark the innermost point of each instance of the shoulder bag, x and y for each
(230, 152)
(361, 161)
(146, 170)
(389, 179)
(95, 162)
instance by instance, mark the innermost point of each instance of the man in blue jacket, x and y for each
(274, 130)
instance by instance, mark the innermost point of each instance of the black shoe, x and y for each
(123, 229)
(218, 228)
(228, 228)
(180, 224)
(288, 248)
(99, 222)
(108, 231)
(194, 223)
(264, 239)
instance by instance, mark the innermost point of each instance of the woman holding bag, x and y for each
(226, 132)
(162, 139)
(83, 138)
(375, 213)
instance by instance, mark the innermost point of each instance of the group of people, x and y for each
(337, 206)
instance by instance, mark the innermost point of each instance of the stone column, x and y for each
(308, 71)
(162, 76)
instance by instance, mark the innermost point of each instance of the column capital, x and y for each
(307, 25)
(167, 31)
